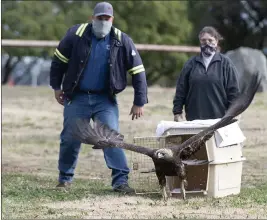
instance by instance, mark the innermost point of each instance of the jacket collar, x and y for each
(114, 38)
(216, 57)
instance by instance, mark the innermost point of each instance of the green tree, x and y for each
(242, 23)
(31, 20)
(156, 22)
(148, 22)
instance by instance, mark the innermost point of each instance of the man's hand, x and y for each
(136, 112)
(59, 96)
(178, 117)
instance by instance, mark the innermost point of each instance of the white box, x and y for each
(222, 176)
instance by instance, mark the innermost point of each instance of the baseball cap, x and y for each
(103, 8)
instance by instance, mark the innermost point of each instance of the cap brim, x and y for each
(99, 14)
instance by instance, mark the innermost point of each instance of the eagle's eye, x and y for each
(160, 155)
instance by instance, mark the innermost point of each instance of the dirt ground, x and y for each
(32, 122)
(142, 208)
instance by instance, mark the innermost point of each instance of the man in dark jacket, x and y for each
(94, 60)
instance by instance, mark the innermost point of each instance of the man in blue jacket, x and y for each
(89, 68)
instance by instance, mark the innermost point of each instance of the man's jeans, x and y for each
(91, 106)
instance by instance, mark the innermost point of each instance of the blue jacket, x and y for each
(72, 53)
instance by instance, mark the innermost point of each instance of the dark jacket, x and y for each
(206, 94)
(72, 54)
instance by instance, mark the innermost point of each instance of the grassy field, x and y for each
(31, 124)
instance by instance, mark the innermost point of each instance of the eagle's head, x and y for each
(164, 154)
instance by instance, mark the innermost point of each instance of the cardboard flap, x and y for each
(229, 135)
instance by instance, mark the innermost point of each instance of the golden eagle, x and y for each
(169, 161)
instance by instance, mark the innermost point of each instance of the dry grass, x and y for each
(32, 122)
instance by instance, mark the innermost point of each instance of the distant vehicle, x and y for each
(31, 71)
(7, 64)
(44, 75)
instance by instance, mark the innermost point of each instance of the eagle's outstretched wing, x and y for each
(82, 130)
(102, 136)
(239, 105)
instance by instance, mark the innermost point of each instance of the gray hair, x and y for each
(212, 31)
